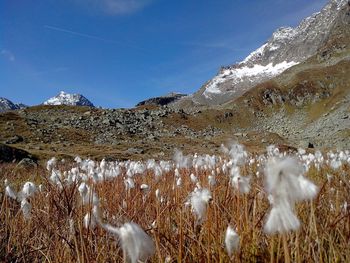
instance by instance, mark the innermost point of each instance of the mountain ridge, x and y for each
(6, 105)
(287, 47)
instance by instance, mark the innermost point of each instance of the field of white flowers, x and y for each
(239, 206)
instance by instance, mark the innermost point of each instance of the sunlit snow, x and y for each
(237, 75)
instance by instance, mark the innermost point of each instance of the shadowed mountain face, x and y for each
(161, 101)
(286, 48)
(6, 105)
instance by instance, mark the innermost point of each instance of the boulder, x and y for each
(14, 139)
(12, 154)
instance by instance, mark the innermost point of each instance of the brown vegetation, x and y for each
(49, 237)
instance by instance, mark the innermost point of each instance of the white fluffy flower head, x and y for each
(199, 200)
(231, 240)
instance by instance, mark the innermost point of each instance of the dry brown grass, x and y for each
(323, 237)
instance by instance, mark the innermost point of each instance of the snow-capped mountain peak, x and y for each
(64, 98)
(6, 105)
(287, 47)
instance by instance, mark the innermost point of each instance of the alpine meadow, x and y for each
(252, 165)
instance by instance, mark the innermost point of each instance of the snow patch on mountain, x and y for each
(64, 98)
(255, 54)
(287, 47)
(238, 74)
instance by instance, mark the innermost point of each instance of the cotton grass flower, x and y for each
(284, 179)
(199, 200)
(211, 180)
(92, 218)
(181, 160)
(193, 178)
(286, 185)
(9, 191)
(144, 187)
(28, 190)
(26, 208)
(89, 221)
(179, 182)
(241, 183)
(77, 159)
(129, 183)
(236, 152)
(231, 240)
(157, 193)
(51, 163)
(136, 244)
(90, 197)
(83, 189)
(281, 218)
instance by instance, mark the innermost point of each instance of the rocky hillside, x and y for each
(287, 47)
(64, 98)
(120, 133)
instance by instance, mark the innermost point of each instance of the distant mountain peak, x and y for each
(64, 98)
(6, 105)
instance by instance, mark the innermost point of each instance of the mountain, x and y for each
(21, 105)
(6, 105)
(286, 48)
(162, 100)
(64, 98)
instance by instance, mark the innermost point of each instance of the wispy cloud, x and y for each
(116, 7)
(78, 33)
(7, 54)
(125, 6)
(84, 35)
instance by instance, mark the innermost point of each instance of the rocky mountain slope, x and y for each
(64, 98)
(287, 47)
(310, 102)
(6, 105)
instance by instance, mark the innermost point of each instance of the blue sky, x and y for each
(119, 52)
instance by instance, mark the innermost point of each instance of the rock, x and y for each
(228, 115)
(106, 122)
(135, 151)
(11, 154)
(14, 139)
(310, 145)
